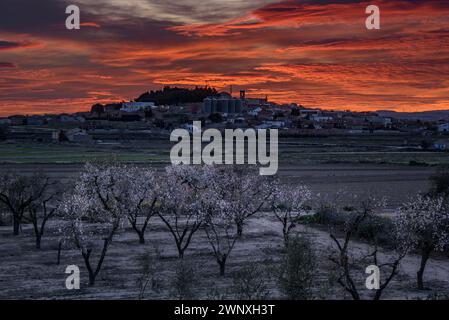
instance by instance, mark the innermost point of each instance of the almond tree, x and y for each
(92, 215)
(17, 194)
(136, 192)
(342, 258)
(180, 204)
(287, 203)
(242, 188)
(220, 228)
(423, 224)
(40, 212)
(229, 199)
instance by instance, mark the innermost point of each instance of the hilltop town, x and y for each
(156, 114)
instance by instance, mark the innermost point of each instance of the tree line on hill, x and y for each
(174, 95)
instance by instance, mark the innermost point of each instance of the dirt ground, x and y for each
(27, 273)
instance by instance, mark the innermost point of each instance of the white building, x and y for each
(192, 128)
(271, 125)
(78, 135)
(69, 118)
(319, 118)
(443, 127)
(136, 106)
(309, 112)
(255, 112)
(442, 144)
(5, 121)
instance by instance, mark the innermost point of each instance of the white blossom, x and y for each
(423, 221)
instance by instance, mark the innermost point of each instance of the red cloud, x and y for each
(90, 24)
(17, 45)
(7, 65)
(291, 14)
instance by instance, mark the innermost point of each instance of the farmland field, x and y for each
(380, 165)
(363, 150)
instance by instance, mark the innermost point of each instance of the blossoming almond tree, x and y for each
(230, 197)
(220, 228)
(180, 204)
(91, 214)
(241, 188)
(423, 224)
(136, 193)
(287, 203)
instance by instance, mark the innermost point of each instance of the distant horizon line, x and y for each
(307, 108)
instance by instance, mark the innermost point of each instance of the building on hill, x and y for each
(71, 119)
(5, 121)
(443, 127)
(111, 107)
(73, 135)
(18, 120)
(224, 103)
(36, 120)
(307, 113)
(257, 102)
(136, 106)
(441, 144)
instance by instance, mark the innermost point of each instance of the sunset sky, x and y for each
(316, 53)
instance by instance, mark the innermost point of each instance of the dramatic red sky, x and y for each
(317, 53)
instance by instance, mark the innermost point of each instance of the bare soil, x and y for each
(27, 273)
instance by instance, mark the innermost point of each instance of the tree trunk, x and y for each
(141, 237)
(180, 250)
(424, 257)
(16, 223)
(38, 241)
(286, 239)
(222, 264)
(285, 230)
(91, 279)
(240, 229)
(92, 274)
(140, 232)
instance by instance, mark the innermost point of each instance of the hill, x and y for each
(175, 95)
(435, 115)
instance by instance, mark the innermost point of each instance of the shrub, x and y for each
(184, 280)
(375, 229)
(440, 182)
(438, 296)
(149, 278)
(297, 269)
(330, 217)
(250, 283)
(378, 230)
